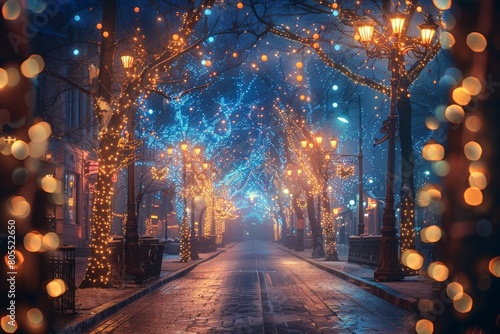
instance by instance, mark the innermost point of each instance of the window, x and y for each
(70, 191)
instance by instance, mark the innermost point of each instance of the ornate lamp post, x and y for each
(393, 47)
(132, 249)
(345, 119)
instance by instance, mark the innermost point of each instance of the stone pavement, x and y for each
(95, 305)
(404, 294)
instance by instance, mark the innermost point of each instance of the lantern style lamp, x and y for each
(205, 165)
(303, 143)
(397, 22)
(427, 30)
(184, 146)
(365, 29)
(334, 142)
(170, 150)
(127, 61)
(197, 150)
(319, 139)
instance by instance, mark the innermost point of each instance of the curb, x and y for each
(380, 290)
(108, 311)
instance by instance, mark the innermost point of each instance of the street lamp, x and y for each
(133, 266)
(345, 119)
(393, 47)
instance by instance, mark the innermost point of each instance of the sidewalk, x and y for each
(94, 305)
(404, 294)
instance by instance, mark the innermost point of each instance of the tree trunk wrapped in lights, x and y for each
(407, 228)
(316, 230)
(185, 254)
(328, 224)
(98, 270)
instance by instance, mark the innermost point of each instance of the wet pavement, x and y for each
(256, 287)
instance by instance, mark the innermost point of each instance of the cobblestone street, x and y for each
(257, 288)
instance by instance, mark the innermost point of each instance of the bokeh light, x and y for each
(433, 151)
(494, 266)
(442, 4)
(424, 326)
(50, 241)
(425, 306)
(33, 241)
(49, 184)
(412, 259)
(56, 288)
(19, 207)
(472, 85)
(441, 168)
(30, 68)
(448, 21)
(454, 290)
(477, 166)
(461, 96)
(6, 326)
(432, 123)
(454, 113)
(473, 123)
(34, 316)
(4, 78)
(20, 150)
(473, 196)
(447, 40)
(11, 9)
(476, 42)
(423, 198)
(478, 180)
(463, 304)
(431, 234)
(473, 151)
(438, 271)
(18, 259)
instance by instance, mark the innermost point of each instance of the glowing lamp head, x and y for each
(289, 172)
(127, 61)
(427, 30)
(365, 30)
(184, 146)
(303, 143)
(197, 150)
(343, 119)
(397, 22)
(205, 165)
(170, 150)
(334, 142)
(318, 139)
